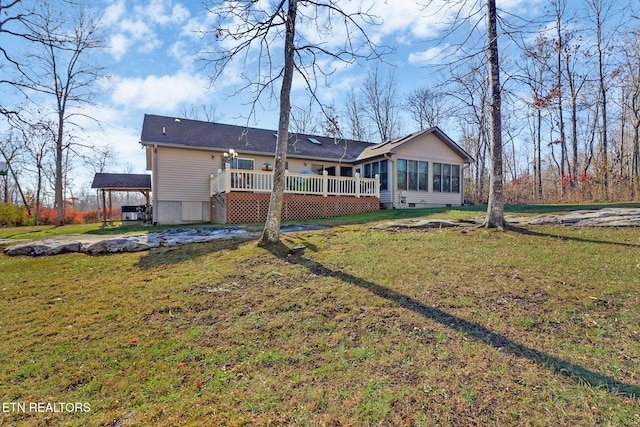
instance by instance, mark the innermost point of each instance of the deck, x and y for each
(252, 181)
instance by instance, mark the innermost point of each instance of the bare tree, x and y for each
(559, 9)
(427, 107)
(576, 81)
(59, 76)
(380, 104)
(470, 89)
(495, 208)
(600, 12)
(207, 113)
(471, 13)
(249, 29)
(14, 16)
(11, 150)
(303, 120)
(354, 116)
(536, 70)
(631, 72)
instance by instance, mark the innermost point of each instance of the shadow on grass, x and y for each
(475, 330)
(177, 254)
(529, 232)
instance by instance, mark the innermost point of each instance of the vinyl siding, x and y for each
(183, 175)
(429, 149)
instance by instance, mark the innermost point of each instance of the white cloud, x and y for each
(160, 94)
(118, 45)
(162, 12)
(113, 13)
(426, 57)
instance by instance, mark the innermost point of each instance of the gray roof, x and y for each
(171, 131)
(121, 181)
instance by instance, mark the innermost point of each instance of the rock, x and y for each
(97, 245)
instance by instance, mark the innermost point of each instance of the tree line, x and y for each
(567, 82)
(571, 106)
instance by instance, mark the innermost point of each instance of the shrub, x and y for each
(49, 216)
(12, 215)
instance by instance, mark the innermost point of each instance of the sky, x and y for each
(152, 65)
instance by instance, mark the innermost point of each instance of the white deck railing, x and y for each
(228, 180)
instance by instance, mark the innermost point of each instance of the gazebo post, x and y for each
(110, 208)
(104, 208)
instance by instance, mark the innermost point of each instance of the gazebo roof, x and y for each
(122, 182)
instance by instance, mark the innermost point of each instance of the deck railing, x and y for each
(228, 180)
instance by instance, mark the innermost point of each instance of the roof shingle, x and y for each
(121, 181)
(170, 131)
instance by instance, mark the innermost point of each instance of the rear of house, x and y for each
(423, 169)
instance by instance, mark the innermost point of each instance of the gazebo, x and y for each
(123, 182)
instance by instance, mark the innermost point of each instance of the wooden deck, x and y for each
(251, 181)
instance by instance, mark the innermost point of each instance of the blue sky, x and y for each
(153, 66)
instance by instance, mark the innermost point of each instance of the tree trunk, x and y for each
(59, 195)
(539, 155)
(271, 232)
(495, 209)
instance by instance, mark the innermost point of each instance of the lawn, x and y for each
(538, 326)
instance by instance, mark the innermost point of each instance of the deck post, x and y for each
(377, 184)
(227, 179)
(358, 184)
(325, 183)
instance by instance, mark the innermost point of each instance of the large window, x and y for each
(412, 175)
(239, 163)
(455, 178)
(446, 178)
(384, 175)
(423, 180)
(378, 168)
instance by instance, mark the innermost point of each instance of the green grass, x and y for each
(367, 327)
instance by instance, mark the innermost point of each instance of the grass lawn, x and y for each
(367, 327)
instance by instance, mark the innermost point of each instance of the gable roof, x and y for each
(186, 133)
(121, 181)
(391, 147)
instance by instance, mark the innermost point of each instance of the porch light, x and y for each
(229, 156)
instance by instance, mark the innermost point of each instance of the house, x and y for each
(203, 171)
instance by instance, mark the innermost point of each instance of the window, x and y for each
(346, 171)
(423, 177)
(455, 179)
(317, 169)
(412, 175)
(402, 174)
(377, 168)
(239, 163)
(437, 177)
(384, 175)
(446, 178)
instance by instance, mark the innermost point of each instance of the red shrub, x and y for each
(49, 216)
